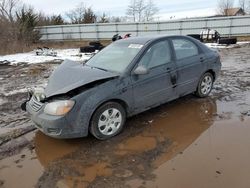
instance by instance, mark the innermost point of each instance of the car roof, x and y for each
(145, 39)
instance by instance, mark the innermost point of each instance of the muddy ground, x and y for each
(187, 143)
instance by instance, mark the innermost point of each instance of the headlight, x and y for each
(59, 108)
(38, 93)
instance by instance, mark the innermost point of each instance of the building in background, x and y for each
(234, 12)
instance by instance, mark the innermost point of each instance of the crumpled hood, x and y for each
(70, 75)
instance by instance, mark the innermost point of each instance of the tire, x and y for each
(96, 44)
(227, 41)
(205, 85)
(107, 121)
(87, 49)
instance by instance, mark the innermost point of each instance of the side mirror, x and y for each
(140, 70)
(84, 61)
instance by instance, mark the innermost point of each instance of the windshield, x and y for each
(115, 57)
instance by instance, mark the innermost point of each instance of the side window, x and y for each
(156, 55)
(184, 48)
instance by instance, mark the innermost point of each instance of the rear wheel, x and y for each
(107, 121)
(205, 85)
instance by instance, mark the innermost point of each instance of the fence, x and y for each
(230, 26)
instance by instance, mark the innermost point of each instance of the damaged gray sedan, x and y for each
(124, 79)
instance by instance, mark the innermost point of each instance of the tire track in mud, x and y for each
(14, 123)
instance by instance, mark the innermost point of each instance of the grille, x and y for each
(34, 104)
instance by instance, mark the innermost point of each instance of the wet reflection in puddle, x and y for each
(27, 166)
(22, 170)
(156, 148)
(142, 147)
(49, 149)
(182, 124)
(218, 158)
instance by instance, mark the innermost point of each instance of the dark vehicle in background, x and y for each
(92, 47)
(125, 78)
(213, 36)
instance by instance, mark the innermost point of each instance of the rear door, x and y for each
(190, 62)
(156, 87)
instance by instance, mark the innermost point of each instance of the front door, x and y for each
(158, 85)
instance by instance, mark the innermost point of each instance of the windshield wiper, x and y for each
(100, 68)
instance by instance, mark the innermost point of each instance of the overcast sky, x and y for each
(168, 8)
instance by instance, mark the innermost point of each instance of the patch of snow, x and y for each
(13, 92)
(31, 57)
(1, 101)
(215, 45)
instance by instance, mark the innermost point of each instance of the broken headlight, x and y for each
(38, 93)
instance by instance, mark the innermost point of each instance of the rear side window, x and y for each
(184, 48)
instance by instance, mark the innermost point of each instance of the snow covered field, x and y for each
(219, 46)
(31, 57)
(72, 54)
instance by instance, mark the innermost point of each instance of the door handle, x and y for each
(201, 59)
(168, 70)
(173, 80)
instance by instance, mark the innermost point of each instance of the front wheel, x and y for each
(205, 85)
(107, 121)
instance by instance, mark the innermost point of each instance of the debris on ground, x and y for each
(45, 51)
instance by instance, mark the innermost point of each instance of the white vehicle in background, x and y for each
(211, 35)
(45, 51)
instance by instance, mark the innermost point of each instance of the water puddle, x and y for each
(49, 149)
(22, 170)
(218, 158)
(170, 130)
(27, 166)
(158, 147)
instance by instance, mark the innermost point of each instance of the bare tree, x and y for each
(242, 4)
(141, 7)
(248, 7)
(245, 5)
(150, 11)
(103, 18)
(8, 9)
(76, 15)
(139, 10)
(136, 9)
(132, 10)
(17, 24)
(224, 5)
(81, 14)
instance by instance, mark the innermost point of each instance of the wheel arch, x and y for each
(212, 72)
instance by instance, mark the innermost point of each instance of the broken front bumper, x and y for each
(54, 126)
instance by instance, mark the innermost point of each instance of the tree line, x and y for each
(18, 20)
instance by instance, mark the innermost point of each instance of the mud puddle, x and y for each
(219, 157)
(159, 136)
(27, 166)
(186, 135)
